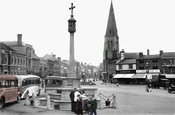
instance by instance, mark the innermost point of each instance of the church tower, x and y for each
(111, 40)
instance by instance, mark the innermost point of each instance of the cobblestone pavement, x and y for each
(131, 99)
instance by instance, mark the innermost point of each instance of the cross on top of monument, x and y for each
(71, 8)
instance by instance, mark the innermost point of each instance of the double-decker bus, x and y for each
(28, 84)
(9, 90)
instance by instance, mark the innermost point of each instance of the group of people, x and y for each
(77, 102)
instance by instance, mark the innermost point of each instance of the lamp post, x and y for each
(147, 70)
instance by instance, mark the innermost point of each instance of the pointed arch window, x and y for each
(111, 44)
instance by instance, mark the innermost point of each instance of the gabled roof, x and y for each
(35, 56)
(5, 47)
(127, 61)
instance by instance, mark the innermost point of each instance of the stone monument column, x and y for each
(71, 29)
(72, 81)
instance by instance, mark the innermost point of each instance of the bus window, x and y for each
(37, 81)
(3, 85)
(57, 82)
(32, 81)
(12, 83)
(23, 83)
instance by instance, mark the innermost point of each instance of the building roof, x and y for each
(49, 57)
(113, 61)
(127, 61)
(5, 47)
(131, 55)
(20, 50)
(12, 43)
(35, 56)
(150, 56)
(168, 55)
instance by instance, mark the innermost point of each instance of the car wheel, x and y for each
(18, 98)
(169, 91)
(1, 102)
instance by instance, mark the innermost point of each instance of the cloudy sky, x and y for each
(141, 24)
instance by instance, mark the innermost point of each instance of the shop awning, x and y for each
(170, 76)
(138, 76)
(128, 76)
(118, 75)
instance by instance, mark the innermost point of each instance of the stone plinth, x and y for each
(89, 90)
(70, 82)
(65, 102)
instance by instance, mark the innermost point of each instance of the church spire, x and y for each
(111, 29)
(111, 43)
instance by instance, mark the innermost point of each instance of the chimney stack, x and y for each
(147, 51)
(122, 54)
(140, 54)
(161, 52)
(19, 40)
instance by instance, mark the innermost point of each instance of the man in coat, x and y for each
(72, 100)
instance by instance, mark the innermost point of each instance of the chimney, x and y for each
(140, 54)
(147, 51)
(161, 52)
(122, 54)
(19, 40)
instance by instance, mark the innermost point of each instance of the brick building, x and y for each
(53, 64)
(25, 57)
(11, 61)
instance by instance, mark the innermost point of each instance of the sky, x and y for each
(141, 24)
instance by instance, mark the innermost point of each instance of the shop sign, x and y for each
(149, 71)
(141, 71)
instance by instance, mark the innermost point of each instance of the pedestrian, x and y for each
(90, 83)
(72, 100)
(93, 105)
(75, 99)
(117, 83)
(79, 105)
(148, 86)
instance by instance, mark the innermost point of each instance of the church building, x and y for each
(111, 45)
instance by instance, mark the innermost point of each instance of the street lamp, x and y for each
(147, 70)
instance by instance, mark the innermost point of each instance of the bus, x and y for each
(29, 84)
(9, 90)
(52, 85)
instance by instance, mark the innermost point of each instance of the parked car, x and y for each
(158, 80)
(171, 87)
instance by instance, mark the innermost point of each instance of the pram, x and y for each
(86, 107)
